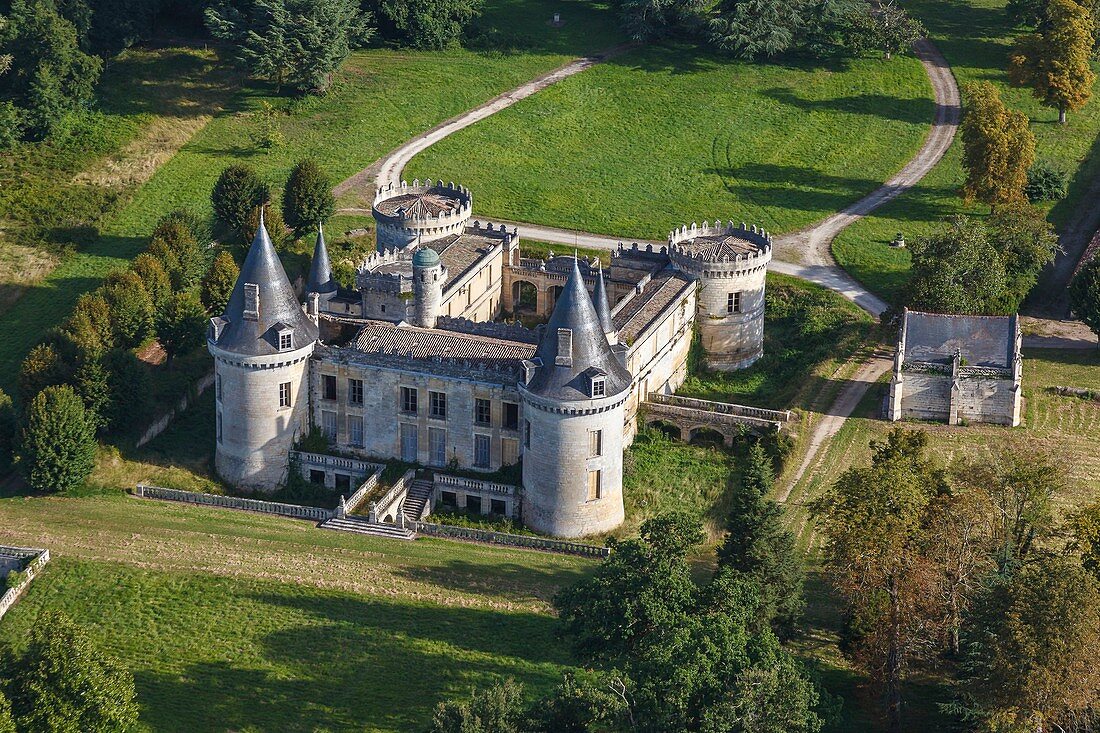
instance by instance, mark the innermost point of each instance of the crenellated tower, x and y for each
(415, 213)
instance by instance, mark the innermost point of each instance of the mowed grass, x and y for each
(230, 620)
(381, 98)
(975, 36)
(669, 134)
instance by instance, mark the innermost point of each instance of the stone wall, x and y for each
(161, 424)
(312, 513)
(921, 396)
(31, 560)
(987, 400)
(512, 540)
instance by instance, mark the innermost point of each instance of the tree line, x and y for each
(84, 381)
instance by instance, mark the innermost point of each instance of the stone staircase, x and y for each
(420, 491)
(362, 525)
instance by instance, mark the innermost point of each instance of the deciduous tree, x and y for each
(9, 428)
(217, 284)
(154, 277)
(885, 27)
(41, 367)
(1085, 531)
(958, 270)
(131, 308)
(1054, 61)
(182, 326)
(307, 197)
(1084, 294)
(434, 24)
(89, 326)
(998, 147)
(58, 448)
(188, 259)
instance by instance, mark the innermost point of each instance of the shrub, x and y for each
(307, 197)
(238, 191)
(59, 448)
(131, 308)
(183, 324)
(1046, 182)
(217, 284)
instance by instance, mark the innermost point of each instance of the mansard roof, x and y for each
(320, 268)
(984, 341)
(255, 333)
(561, 375)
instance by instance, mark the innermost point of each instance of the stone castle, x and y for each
(415, 363)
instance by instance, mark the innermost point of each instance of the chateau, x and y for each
(418, 364)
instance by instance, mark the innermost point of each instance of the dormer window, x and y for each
(599, 387)
(284, 336)
(285, 340)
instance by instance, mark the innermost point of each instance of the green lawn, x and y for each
(670, 134)
(381, 98)
(975, 37)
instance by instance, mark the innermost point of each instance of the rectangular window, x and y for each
(284, 340)
(733, 303)
(316, 477)
(437, 446)
(437, 405)
(526, 433)
(355, 391)
(509, 451)
(355, 430)
(328, 424)
(599, 387)
(481, 451)
(473, 504)
(483, 412)
(408, 400)
(410, 449)
(595, 443)
(511, 415)
(448, 498)
(498, 507)
(328, 386)
(594, 485)
(284, 394)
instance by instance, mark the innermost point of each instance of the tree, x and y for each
(307, 197)
(430, 24)
(238, 191)
(92, 384)
(497, 709)
(89, 326)
(131, 308)
(154, 277)
(49, 76)
(998, 147)
(647, 20)
(182, 326)
(1085, 530)
(41, 367)
(297, 43)
(130, 387)
(9, 427)
(7, 722)
(66, 684)
(873, 519)
(1054, 61)
(754, 29)
(273, 222)
(1084, 294)
(1027, 243)
(1035, 13)
(58, 447)
(1031, 645)
(188, 259)
(217, 284)
(760, 546)
(958, 270)
(884, 27)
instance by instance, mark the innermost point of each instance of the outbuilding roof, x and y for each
(985, 341)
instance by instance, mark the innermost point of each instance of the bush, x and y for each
(217, 284)
(1046, 182)
(131, 308)
(182, 326)
(307, 197)
(238, 191)
(59, 448)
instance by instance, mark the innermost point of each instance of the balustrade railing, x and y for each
(472, 484)
(723, 408)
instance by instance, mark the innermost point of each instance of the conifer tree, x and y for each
(217, 284)
(1054, 61)
(998, 147)
(754, 29)
(1084, 294)
(58, 447)
(307, 197)
(238, 191)
(182, 325)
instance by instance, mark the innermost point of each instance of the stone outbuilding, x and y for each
(957, 369)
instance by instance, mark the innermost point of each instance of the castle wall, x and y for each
(933, 397)
(477, 294)
(383, 417)
(254, 433)
(556, 497)
(384, 306)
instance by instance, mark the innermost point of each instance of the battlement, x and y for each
(430, 203)
(720, 243)
(637, 251)
(492, 329)
(369, 278)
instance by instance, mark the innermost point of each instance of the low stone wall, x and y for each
(313, 513)
(166, 419)
(512, 540)
(38, 559)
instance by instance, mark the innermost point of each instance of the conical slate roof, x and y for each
(320, 269)
(564, 378)
(603, 307)
(255, 333)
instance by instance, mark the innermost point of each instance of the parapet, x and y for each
(733, 247)
(435, 204)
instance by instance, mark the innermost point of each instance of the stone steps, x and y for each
(359, 525)
(420, 491)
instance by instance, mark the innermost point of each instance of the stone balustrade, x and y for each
(316, 514)
(38, 559)
(392, 500)
(475, 485)
(324, 460)
(472, 534)
(724, 408)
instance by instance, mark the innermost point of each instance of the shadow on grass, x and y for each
(500, 579)
(912, 111)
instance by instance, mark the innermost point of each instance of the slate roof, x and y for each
(603, 306)
(278, 305)
(320, 269)
(380, 337)
(720, 246)
(574, 311)
(643, 308)
(419, 204)
(986, 341)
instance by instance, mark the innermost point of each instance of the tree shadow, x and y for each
(918, 110)
(509, 580)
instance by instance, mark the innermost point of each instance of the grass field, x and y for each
(380, 98)
(670, 134)
(975, 37)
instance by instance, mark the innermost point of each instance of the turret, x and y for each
(428, 279)
(573, 403)
(603, 308)
(414, 213)
(261, 346)
(320, 280)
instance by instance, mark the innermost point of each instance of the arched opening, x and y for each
(525, 296)
(707, 437)
(554, 293)
(665, 428)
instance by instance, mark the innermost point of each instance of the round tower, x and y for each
(428, 279)
(574, 399)
(731, 264)
(414, 213)
(261, 346)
